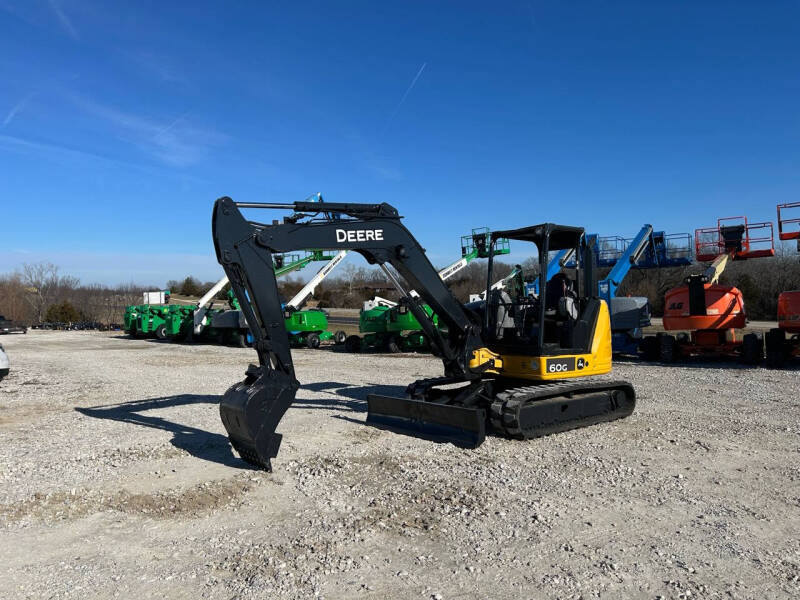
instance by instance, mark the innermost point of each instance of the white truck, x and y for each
(5, 366)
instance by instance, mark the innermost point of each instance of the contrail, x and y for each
(17, 107)
(403, 99)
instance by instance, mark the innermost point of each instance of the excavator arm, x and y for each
(251, 410)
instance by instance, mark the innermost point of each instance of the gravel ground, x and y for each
(117, 481)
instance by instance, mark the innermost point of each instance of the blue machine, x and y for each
(647, 250)
(553, 267)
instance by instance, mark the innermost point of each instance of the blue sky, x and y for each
(120, 123)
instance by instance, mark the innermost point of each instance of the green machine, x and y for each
(391, 326)
(310, 327)
(130, 318)
(306, 327)
(151, 321)
(147, 319)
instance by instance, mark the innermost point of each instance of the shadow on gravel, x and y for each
(344, 395)
(202, 444)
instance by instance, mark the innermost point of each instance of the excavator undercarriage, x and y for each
(513, 363)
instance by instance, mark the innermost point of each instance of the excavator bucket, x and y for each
(461, 426)
(250, 411)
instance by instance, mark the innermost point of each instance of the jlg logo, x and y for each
(676, 306)
(359, 235)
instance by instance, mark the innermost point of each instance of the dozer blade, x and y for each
(463, 427)
(251, 410)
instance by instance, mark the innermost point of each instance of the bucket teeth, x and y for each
(251, 410)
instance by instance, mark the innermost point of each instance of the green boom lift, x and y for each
(306, 327)
(391, 326)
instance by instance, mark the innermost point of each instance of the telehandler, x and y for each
(513, 362)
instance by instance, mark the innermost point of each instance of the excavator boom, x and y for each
(251, 409)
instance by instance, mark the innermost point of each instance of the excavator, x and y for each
(514, 364)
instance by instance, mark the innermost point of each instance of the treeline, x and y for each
(191, 286)
(760, 281)
(39, 293)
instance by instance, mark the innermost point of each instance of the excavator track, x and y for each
(539, 410)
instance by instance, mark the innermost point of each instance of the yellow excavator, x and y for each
(516, 364)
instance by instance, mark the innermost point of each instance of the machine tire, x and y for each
(668, 349)
(161, 332)
(776, 348)
(239, 340)
(393, 345)
(353, 344)
(340, 337)
(752, 349)
(312, 340)
(649, 348)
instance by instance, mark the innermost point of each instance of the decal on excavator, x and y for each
(359, 235)
(560, 365)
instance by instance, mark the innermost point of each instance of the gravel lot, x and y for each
(118, 481)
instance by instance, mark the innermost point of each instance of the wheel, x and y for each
(161, 332)
(340, 337)
(668, 349)
(776, 348)
(752, 349)
(312, 340)
(239, 340)
(353, 344)
(649, 348)
(393, 344)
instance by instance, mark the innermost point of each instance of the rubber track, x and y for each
(505, 409)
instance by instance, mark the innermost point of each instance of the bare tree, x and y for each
(41, 282)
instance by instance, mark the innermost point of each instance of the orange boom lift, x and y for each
(711, 313)
(783, 342)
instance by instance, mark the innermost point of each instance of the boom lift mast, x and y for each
(514, 340)
(282, 268)
(389, 325)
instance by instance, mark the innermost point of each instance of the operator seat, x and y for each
(503, 312)
(560, 298)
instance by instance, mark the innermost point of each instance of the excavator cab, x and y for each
(562, 318)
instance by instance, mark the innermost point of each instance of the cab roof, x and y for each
(562, 237)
